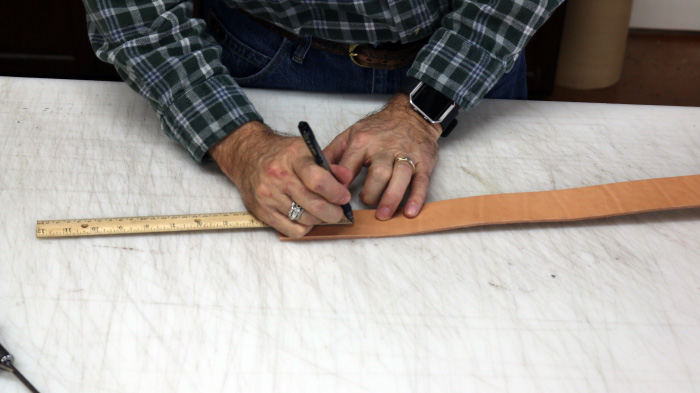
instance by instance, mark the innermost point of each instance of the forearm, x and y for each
(165, 54)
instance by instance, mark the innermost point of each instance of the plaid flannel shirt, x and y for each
(166, 55)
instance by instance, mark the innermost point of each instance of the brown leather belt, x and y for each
(390, 56)
(546, 206)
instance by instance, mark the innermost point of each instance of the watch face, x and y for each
(431, 103)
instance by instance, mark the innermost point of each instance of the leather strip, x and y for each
(571, 204)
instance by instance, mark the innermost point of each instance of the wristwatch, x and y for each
(434, 106)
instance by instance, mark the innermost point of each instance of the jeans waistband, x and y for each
(389, 56)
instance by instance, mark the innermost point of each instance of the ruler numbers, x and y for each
(146, 224)
(149, 224)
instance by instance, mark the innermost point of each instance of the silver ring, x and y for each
(408, 160)
(295, 212)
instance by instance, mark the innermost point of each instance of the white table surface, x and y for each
(611, 305)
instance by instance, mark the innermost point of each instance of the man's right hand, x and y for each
(271, 171)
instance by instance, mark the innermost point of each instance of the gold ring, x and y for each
(408, 160)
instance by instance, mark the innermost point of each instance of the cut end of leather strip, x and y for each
(571, 204)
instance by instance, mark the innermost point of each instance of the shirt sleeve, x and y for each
(477, 43)
(161, 51)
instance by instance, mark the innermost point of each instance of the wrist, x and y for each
(229, 152)
(434, 106)
(401, 102)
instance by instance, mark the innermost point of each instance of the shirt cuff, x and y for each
(457, 68)
(207, 113)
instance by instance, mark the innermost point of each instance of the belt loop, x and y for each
(302, 49)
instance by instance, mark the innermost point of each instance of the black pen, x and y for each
(320, 159)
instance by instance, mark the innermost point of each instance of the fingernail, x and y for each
(383, 213)
(411, 210)
(346, 199)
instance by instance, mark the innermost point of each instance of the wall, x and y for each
(666, 14)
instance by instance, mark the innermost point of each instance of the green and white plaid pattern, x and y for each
(165, 54)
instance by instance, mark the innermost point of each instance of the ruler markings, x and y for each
(150, 224)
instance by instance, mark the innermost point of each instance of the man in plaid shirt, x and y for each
(191, 72)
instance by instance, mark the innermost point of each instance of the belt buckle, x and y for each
(353, 55)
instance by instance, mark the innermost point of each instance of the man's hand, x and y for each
(271, 171)
(377, 141)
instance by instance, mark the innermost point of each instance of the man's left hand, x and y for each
(376, 142)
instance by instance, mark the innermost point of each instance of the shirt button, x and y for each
(416, 31)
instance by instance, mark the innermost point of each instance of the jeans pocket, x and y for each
(248, 52)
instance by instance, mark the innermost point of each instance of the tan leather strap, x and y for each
(545, 206)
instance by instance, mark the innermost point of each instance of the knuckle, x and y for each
(318, 206)
(262, 192)
(368, 198)
(362, 137)
(365, 199)
(276, 170)
(382, 172)
(315, 182)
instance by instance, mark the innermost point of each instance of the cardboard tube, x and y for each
(593, 43)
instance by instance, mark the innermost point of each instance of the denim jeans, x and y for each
(259, 57)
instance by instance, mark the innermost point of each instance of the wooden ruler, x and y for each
(150, 224)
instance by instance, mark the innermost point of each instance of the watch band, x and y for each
(529, 207)
(413, 86)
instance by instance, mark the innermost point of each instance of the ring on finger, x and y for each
(408, 160)
(295, 212)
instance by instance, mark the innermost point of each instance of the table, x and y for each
(606, 305)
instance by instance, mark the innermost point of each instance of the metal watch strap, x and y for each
(450, 120)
